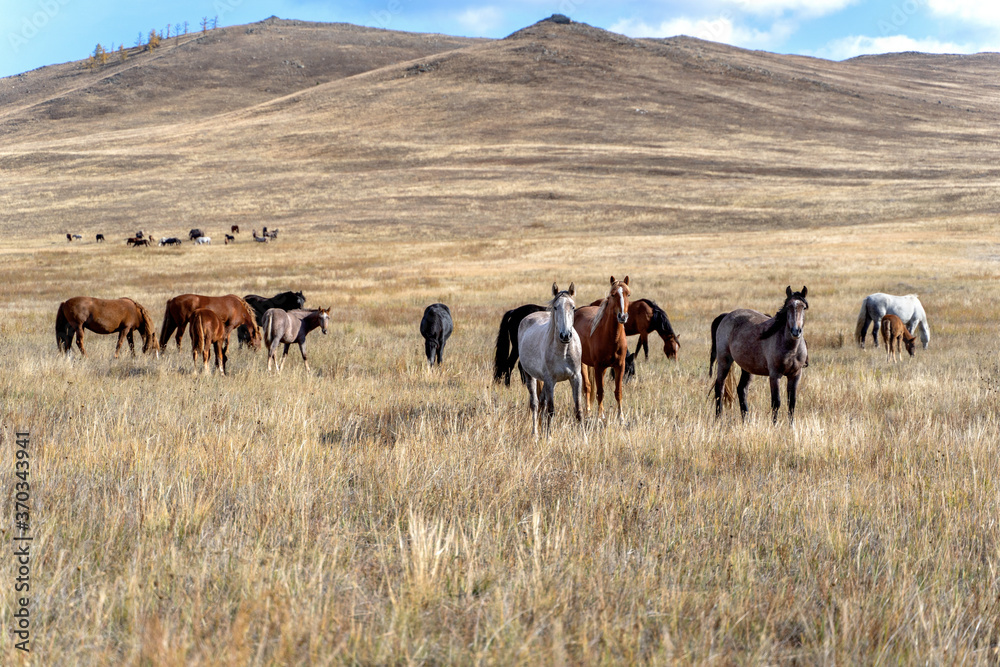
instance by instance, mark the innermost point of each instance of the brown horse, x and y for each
(208, 331)
(895, 335)
(231, 309)
(602, 335)
(645, 317)
(761, 345)
(104, 316)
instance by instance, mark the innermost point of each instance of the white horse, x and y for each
(203, 240)
(907, 308)
(550, 352)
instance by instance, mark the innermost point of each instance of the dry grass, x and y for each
(374, 512)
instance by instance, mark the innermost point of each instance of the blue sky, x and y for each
(34, 33)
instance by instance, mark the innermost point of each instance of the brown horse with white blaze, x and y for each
(602, 336)
(104, 316)
(231, 309)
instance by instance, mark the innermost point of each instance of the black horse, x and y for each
(436, 326)
(195, 234)
(506, 353)
(259, 304)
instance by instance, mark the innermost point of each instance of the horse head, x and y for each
(619, 295)
(795, 310)
(563, 311)
(324, 317)
(671, 346)
(300, 298)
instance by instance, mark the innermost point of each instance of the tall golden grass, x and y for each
(377, 512)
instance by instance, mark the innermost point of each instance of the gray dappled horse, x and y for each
(291, 326)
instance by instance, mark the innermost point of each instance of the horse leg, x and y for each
(741, 392)
(283, 356)
(121, 339)
(225, 355)
(429, 351)
(79, 340)
(302, 351)
(793, 386)
(131, 343)
(644, 344)
(576, 385)
(775, 397)
(180, 334)
(619, 376)
(876, 327)
(219, 356)
(599, 381)
(533, 405)
(721, 373)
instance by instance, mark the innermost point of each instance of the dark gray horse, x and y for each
(761, 345)
(435, 327)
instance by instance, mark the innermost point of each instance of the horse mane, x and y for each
(604, 304)
(781, 317)
(148, 328)
(562, 293)
(660, 322)
(251, 313)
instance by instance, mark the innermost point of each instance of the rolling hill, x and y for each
(558, 128)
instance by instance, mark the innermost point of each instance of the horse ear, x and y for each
(788, 291)
(804, 291)
(626, 280)
(555, 289)
(572, 289)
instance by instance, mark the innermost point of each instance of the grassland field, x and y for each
(377, 512)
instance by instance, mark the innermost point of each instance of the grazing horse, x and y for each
(172, 240)
(291, 326)
(104, 316)
(436, 327)
(141, 243)
(907, 308)
(230, 239)
(208, 331)
(203, 240)
(99, 238)
(894, 336)
(195, 234)
(259, 304)
(602, 334)
(235, 229)
(233, 311)
(761, 345)
(506, 349)
(260, 239)
(550, 352)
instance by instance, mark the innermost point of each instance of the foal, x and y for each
(207, 331)
(895, 335)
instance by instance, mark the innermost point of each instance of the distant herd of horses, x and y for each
(550, 343)
(142, 240)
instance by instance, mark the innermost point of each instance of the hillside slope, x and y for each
(558, 127)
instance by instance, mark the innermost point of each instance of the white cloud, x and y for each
(857, 45)
(980, 12)
(481, 20)
(720, 29)
(804, 8)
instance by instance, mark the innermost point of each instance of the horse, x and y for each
(436, 327)
(139, 234)
(260, 239)
(602, 334)
(203, 240)
(208, 331)
(104, 316)
(907, 308)
(894, 336)
(99, 238)
(131, 240)
(230, 239)
(273, 235)
(551, 352)
(235, 229)
(172, 240)
(233, 311)
(506, 348)
(645, 316)
(291, 326)
(141, 243)
(195, 234)
(259, 304)
(761, 345)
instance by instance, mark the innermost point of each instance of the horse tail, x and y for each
(268, 327)
(253, 326)
(729, 389)
(168, 327)
(500, 363)
(197, 333)
(62, 324)
(146, 327)
(712, 352)
(862, 324)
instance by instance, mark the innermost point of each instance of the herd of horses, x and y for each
(142, 240)
(550, 343)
